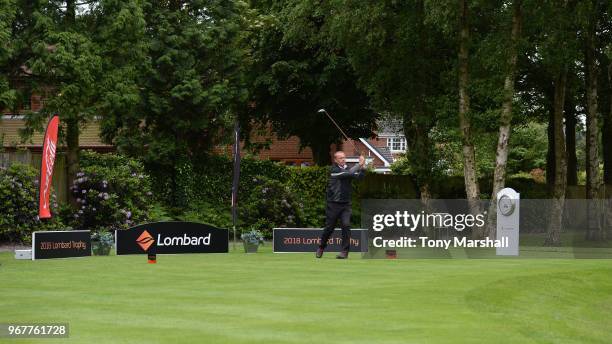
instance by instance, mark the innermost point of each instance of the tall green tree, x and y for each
(558, 48)
(470, 178)
(191, 86)
(505, 120)
(400, 55)
(297, 71)
(66, 64)
(590, 22)
(7, 15)
(591, 75)
(572, 98)
(79, 57)
(607, 122)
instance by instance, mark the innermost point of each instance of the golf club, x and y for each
(341, 131)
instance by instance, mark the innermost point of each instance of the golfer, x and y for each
(339, 202)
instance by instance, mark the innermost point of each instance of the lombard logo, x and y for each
(184, 240)
(145, 240)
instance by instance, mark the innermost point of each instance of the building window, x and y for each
(396, 144)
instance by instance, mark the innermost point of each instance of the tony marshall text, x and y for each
(439, 243)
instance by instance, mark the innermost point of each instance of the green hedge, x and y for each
(209, 182)
(453, 187)
(384, 186)
(304, 190)
(204, 194)
(213, 177)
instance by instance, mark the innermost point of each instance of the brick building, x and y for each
(380, 151)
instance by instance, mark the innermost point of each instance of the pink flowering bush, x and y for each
(111, 192)
(19, 205)
(271, 204)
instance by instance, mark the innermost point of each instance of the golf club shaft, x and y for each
(341, 131)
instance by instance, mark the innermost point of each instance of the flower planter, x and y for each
(101, 243)
(251, 240)
(250, 248)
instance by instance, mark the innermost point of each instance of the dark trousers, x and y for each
(334, 212)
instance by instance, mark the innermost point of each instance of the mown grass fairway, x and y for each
(293, 298)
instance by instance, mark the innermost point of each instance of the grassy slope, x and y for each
(293, 298)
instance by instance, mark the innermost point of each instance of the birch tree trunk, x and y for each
(607, 135)
(607, 148)
(469, 157)
(550, 154)
(501, 156)
(593, 179)
(558, 201)
(570, 141)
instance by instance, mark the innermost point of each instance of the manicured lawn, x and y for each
(293, 298)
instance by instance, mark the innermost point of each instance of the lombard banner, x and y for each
(61, 244)
(292, 240)
(171, 238)
(46, 167)
(518, 228)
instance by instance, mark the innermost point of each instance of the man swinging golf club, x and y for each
(339, 190)
(338, 207)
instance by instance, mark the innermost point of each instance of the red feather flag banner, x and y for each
(46, 167)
